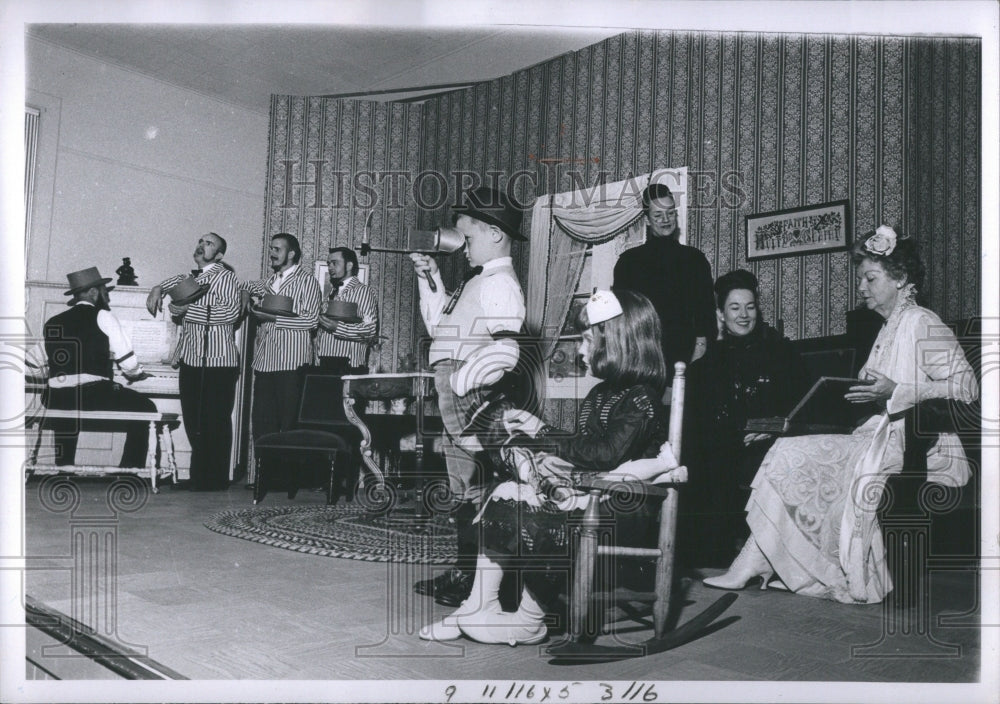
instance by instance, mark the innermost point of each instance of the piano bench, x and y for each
(159, 439)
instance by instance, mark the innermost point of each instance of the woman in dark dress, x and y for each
(621, 421)
(750, 371)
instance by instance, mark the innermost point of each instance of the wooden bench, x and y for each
(159, 439)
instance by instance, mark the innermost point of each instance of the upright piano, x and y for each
(154, 341)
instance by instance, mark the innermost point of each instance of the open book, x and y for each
(822, 410)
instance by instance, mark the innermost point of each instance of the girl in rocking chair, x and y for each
(621, 432)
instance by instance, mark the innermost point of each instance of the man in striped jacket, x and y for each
(283, 346)
(209, 361)
(342, 346)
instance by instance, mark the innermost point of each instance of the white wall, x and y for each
(132, 166)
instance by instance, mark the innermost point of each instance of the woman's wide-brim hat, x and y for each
(344, 311)
(493, 207)
(187, 291)
(278, 305)
(84, 279)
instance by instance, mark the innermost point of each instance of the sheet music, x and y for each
(152, 340)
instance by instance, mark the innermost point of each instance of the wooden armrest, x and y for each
(658, 487)
(677, 475)
(49, 413)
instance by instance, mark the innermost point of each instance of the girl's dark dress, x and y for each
(615, 425)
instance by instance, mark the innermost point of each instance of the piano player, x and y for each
(80, 344)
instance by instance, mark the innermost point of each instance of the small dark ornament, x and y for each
(126, 274)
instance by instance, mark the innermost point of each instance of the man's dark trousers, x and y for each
(207, 395)
(276, 397)
(99, 396)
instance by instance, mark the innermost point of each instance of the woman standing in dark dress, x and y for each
(524, 522)
(751, 371)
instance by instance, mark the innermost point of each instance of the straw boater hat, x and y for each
(344, 311)
(493, 207)
(187, 291)
(80, 281)
(278, 305)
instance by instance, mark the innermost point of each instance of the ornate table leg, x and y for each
(366, 440)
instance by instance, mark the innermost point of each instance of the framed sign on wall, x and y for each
(809, 229)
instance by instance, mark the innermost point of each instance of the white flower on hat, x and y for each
(883, 242)
(602, 306)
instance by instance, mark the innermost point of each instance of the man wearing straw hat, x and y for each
(286, 315)
(350, 322)
(82, 345)
(207, 305)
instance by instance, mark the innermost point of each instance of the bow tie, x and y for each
(468, 276)
(197, 272)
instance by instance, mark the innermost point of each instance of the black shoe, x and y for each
(430, 587)
(182, 485)
(457, 592)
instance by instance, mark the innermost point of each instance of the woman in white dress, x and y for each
(812, 509)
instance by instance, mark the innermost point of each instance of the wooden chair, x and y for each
(584, 621)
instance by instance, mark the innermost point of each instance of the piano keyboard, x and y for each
(162, 381)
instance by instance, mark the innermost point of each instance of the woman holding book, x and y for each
(750, 371)
(811, 511)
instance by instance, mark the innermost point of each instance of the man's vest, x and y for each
(75, 344)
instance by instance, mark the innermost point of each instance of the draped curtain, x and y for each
(563, 224)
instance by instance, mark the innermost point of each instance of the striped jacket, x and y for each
(351, 340)
(286, 344)
(211, 318)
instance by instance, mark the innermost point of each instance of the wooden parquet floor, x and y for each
(214, 607)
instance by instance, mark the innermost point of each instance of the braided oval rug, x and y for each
(347, 531)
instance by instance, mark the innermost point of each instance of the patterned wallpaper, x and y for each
(763, 121)
(357, 146)
(944, 179)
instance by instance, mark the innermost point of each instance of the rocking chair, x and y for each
(587, 604)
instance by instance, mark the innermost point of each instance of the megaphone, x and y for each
(443, 240)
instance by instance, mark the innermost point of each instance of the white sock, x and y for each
(530, 611)
(485, 594)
